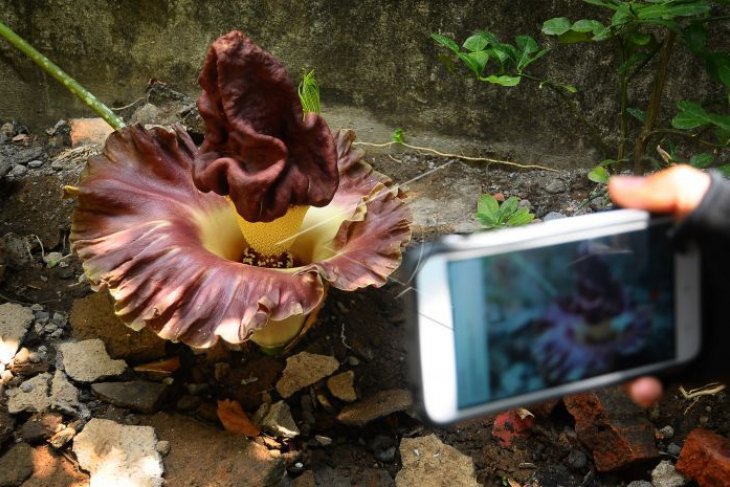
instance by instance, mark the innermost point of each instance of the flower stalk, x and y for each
(62, 77)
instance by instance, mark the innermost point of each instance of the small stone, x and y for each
(304, 369)
(6, 376)
(640, 483)
(667, 432)
(59, 319)
(40, 427)
(16, 465)
(18, 171)
(42, 317)
(382, 403)
(386, 456)
(277, 420)
(188, 403)
(26, 386)
(110, 451)
(34, 357)
(138, 395)
(556, 186)
(577, 460)
(14, 322)
(353, 361)
(87, 361)
(323, 440)
(35, 164)
(674, 449)
(428, 458)
(36, 400)
(665, 475)
(163, 447)
(342, 386)
(50, 327)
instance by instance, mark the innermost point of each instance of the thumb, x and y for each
(677, 190)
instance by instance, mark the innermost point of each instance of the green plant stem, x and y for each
(652, 112)
(71, 84)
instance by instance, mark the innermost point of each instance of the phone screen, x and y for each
(543, 317)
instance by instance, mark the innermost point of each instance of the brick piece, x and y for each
(705, 457)
(613, 427)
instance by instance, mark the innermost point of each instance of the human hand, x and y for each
(677, 190)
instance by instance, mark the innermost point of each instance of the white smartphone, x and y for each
(515, 316)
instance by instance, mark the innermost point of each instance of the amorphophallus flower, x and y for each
(240, 238)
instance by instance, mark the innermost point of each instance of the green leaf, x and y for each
(480, 59)
(669, 10)
(471, 63)
(695, 36)
(487, 206)
(573, 37)
(702, 160)
(476, 42)
(570, 89)
(599, 175)
(639, 38)
(557, 26)
(690, 117)
(602, 3)
(718, 67)
(527, 46)
(589, 26)
(508, 208)
(637, 113)
(446, 42)
(521, 217)
(502, 80)
(398, 136)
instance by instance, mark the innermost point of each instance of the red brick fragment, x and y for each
(705, 458)
(613, 427)
(92, 131)
(512, 424)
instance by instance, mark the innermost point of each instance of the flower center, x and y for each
(269, 242)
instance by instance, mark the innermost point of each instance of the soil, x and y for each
(365, 330)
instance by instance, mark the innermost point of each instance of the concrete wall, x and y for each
(371, 54)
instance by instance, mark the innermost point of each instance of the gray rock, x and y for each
(18, 171)
(142, 396)
(43, 392)
(640, 483)
(576, 459)
(4, 167)
(342, 386)
(427, 462)
(16, 465)
(277, 420)
(376, 406)
(304, 369)
(667, 432)
(110, 451)
(26, 155)
(163, 447)
(556, 186)
(35, 164)
(665, 475)
(87, 361)
(14, 322)
(674, 449)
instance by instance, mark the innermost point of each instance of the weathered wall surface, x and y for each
(370, 54)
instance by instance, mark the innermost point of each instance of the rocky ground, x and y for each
(86, 401)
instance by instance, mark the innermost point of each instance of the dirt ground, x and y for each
(366, 330)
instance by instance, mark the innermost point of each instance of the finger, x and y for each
(645, 391)
(677, 190)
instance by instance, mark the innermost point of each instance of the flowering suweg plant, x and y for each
(240, 238)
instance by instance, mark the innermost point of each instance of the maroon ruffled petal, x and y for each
(145, 232)
(258, 148)
(369, 243)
